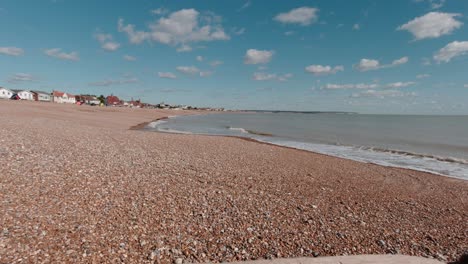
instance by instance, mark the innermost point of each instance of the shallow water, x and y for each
(437, 144)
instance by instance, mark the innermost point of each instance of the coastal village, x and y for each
(86, 99)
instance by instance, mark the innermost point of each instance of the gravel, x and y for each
(76, 185)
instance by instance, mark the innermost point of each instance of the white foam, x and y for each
(156, 123)
(239, 129)
(432, 165)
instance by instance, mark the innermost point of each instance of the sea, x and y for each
(436, 144)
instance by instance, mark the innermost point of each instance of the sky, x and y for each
(366, 56)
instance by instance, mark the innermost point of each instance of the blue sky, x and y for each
(369, 56)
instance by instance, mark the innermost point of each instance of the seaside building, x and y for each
(63, 98)
(26, 95)
(88, 99)
(5, 93)
(41, 96)
(113, 100)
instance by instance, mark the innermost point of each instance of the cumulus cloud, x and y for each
(107, 42)
(11, 51)
(199, 58)
(451, 50)
(371, 64)
(178, 29)
(167, 75)
(263, 76)
(21, 77)
(383, 94)
(432, 25)
(129, 58)
(422, 76)
(323, 70)
(303, 16)
(253, 56)
(57, 53)
(110, 82)
(189, 70)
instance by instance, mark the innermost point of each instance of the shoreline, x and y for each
(81, 187)
(142, 127)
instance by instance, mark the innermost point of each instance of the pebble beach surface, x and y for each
(78, 186)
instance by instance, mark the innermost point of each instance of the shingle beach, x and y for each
(77, 185)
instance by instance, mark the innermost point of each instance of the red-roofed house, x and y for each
(113, 100)
(63, 98)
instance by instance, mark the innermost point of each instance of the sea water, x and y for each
(437, 144)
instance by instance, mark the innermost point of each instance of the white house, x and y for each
(26, 95)
(5, 93)
(63, 98)
(41, 96)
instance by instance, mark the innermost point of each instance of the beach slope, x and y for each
(77, 185)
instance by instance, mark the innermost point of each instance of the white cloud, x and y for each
(107, 42)
(239, 31)
(371, 64)
(350, 86)
(206, 73)
(57, 53)
(466, 85)
(253, 56)
(129, 58)
(400, 61)
(451, 50)
(134, 36)
(323, 70)
(199, 58)
(189, 70)
(110, 82)
(289, 33)
(356, 27)
(371, 86)
(303, 16)
(167, 75)
(21, 77)
(396, 85)
(432, 25)
(263, 76)
(367, 65)
(422, 76)
(244, 6)
(184, 48)
(383, 94)
(11, 51)
(434, 4)
(178, 29)
(159, 11)
(216, 63)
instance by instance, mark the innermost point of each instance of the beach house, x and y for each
(63, 98)
(113, 100)
(26, 95)
(5, 93)
(41, 96)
